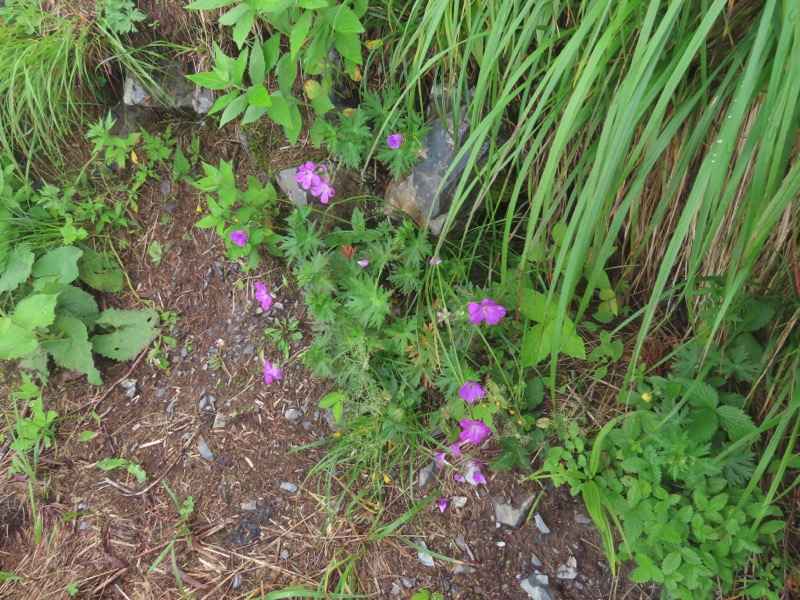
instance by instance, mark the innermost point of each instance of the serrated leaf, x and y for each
(534, 306)
(343, 19)
(73, 352)
(702, 425)
(74, 302)
(299, 33)
(646, 571)
(36, 311)
(18, 269)
(771, 527)
(15, 341)
(349, 46)
(132, 331)
(96, 271)
(138, 472)
(671, 562)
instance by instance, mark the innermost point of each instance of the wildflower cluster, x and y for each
(314, 178)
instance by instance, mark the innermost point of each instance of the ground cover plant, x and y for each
(611, 305)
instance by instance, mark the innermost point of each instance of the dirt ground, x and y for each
(207, 429)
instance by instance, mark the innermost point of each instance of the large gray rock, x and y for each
(537, 586)
(418, 193)
(509, 515)
(171, 90)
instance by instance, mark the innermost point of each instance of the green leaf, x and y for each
(646, 571)
(208, 221)
(536, 344)
(257, 69)
(111, 463)
(36, 311)
(231, 16)
(86, 436)
(278, 110)
(343, 19)
(223, 101)
(771, 527)
(132, 331)
(74, 352)
(258, 95)
(210, 80)
(271, 49)
(571, 342)
(253, 113)
(74, 302)
(18, 269)
(233, 110)
(96, 271)
(241, 30)
(138, 472)
(287, 73)
(735, 422)
(15, 341)
(4, 576)
(208, 4)
(534, 305)
(671, 562)
(300, 33)
(332, 398)
(349, 46)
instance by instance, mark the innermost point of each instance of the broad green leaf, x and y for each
(258, 95)
(208, 221)
(536, 344)
(208, 4)
(233, 110)
(132, 331)
(111, 463)
(74, 302)
(278, 110)
(534, 306)
(241, 30)
(571, 343)
(332, 398)
(18, 269)
(15, 341)
(349, 46)
(253, 113)
(98, 272)
(287, 73)
(646, 571)
(223, 101)
(300, 33)
(257, 69)
(271, 50)
(73, 352)
(671, 562)
(138, 472)
(210, 80)
(771, 527)
(343, 19)
(85, 436)
(36, 311)
(233, 15)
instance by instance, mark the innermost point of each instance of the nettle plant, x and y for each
(304, 32)
(243, 219)
(399, 360)
(676, 475)
(46, 315)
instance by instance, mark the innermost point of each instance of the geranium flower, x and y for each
(487, 310)
(306, 175)
(455, 450)
(473, 431)
(322, 189)
(262, 295)
(442, 504)
(438, 458)
(272, 372)
(471, 391)
(459, 478)
(239, 238)
(435, 260)
(363, 262)
(475, 477)
(394, 140)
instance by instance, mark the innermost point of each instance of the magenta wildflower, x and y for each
(306, 175)
(438, 458)
(363, 262)
(475, 477)
(455, 450)
(442, 504)
(395, 140)
(262, 295)
(459, 478)
(239, 238)
(322, 188)
(487, 310)
(473, 431)
(272, 372)
(435, 260)
(471, 391)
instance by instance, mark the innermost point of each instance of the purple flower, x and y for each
(435, 260)
(239, 238)
(394, 140)
(306, 175)
(459, 478)
(438, 458)
(487, 310)
(442, 504)
(475, 477)
(473, 431)
(363, 262)
(262, 295)
(272, 372)
(455, 450)
(323, 189)
(471, 391)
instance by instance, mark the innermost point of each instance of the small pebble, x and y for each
(284, 554)
(408, 582)
(160, 393)
(292, 414)
(238, 579)
(184, 352)
(82, 526)
(81, 506)
(129, 387)
(289, 487)
(458, 501)
(203, 449)
(582, 520)
(540, 524)
(463, 570)
(535, 561)
(395, 591)
(220, 420)
(248, 506)
(425, 558)
(170, 406)
(569, 570)
(306, 425)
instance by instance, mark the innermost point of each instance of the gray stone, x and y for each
(463, 570)
(509, 515)
(582, 520)
(569, 570)
(289, 186)
(458, 501)
(292, 414)
(417, 193)
(171, 406)
(184, 354)
(289, 487)
(169, 88)
(540, 524)
(129, 387)
(247, 506)
(535, 561)
(426, 475)
(408, 582)
(425, 558)
(238, 580)
(83, 526)
(220, 420)
(284, 555)
(81, 506)
(161, 393)
(306, 424)
(395, 591)
(203, 449)
(537, 586)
